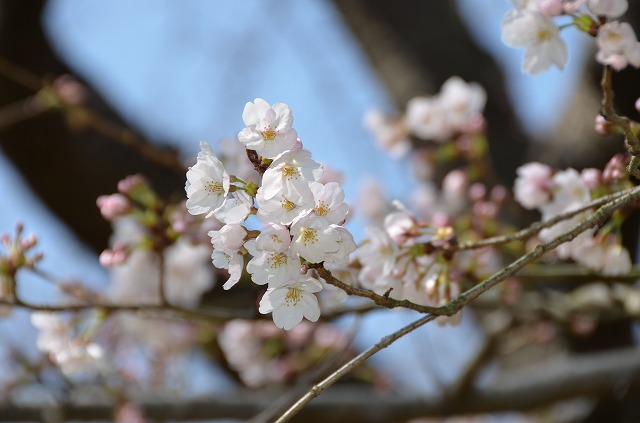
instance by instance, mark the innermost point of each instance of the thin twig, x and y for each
(217, 314)
(350, 365)
(535, 227)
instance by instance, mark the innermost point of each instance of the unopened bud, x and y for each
(114, 205)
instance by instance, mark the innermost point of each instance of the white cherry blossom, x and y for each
(289, 174)
(608, 8)
(226, 255)
(314, 238)
(282, 208)
(207, 183)
(532, 187)
(272, 267)
(236, 208)
(274, 238)
(539, 35)
(617, 45)
(329, 201)
(290, 303)
(346, 246)
(268, 130)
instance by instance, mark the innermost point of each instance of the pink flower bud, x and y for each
(498, 194)
(615, 169)
(637, 104)
(115, 256)
(602, 126)
(591, 177)
(29, 242)
(131, 182)
(477, 191)
(455, 183)
(70, 90)
(440, 220)
(551, 7)
(112, 206)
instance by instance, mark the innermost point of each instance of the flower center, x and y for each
(287, 204)
(214, 187)
(269, 134)
(322, 209)
(289, 171)
(277, 260)
(543, 35)
(293, 296)
(308, 236)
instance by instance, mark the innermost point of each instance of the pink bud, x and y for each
(69, 90)
(131, 182)
(601, 125)
(115, 256)
(29, 242)
(591, 177)
(455, 183)
(498, 194)
(615, 169)
(477, 191)
(637, 104)
(114, 205)
(551, 7)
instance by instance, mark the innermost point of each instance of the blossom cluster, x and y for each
(531, 26)
(302, 216)
(538, 187)
(456, 109)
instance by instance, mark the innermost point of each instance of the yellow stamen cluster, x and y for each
(543, 35)
(293, 297)
(287, 205)
(308, 236)
(269, 134)
(214, 187)
(322, 209)
(277, 260)
(289, 171)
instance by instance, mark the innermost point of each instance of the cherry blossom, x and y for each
(272, 266)
(290, 303)
(226, 255)
(313, 238)
(283, 209)
(617, 45)
(608, 8)
(289, 174)
(533, 184)
(329, 201)
(268, 130)
(539, 36)
(207, 183)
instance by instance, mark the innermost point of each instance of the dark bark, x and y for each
(68, 169)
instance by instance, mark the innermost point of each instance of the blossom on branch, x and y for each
(268, 130)
(539, 35)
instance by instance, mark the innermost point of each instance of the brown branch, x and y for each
(349, 366)
(623, 122)
(211, 314)
(535, 227)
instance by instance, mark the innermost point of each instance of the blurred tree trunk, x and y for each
(68, 169)
(416, 45)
